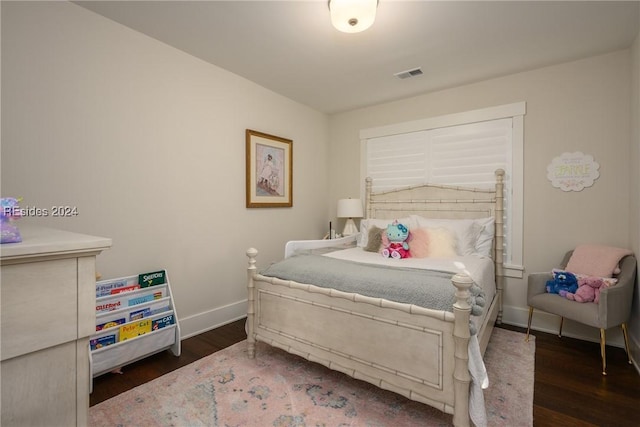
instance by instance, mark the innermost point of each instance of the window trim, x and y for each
(516, 111)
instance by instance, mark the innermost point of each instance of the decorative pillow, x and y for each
(596, 260)
(374, 241)
(442, 243)
(485, 238)
(366, 224)
(419, 244)
(438, 242)
(467, 231)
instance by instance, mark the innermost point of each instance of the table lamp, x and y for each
(350, 208)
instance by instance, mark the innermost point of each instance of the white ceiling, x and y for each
(291, 48)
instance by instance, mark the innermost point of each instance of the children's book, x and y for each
(105, 306)
(160, 305)
(152, 279)
(110, 324)
(105, 287)
(135, 329)
(140, 314)
(145, 298)
(162, 322)
(124, 289)
(100, 342)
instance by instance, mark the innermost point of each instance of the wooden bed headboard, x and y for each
(445, 202)
(435, 201)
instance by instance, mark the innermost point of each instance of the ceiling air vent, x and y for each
(409, 73)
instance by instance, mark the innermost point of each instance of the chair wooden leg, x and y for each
(561, 323)
(603, 353)
(626, 342)
(529, 323)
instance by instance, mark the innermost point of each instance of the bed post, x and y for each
(251, 342)
(367, 197)
(461, 335)
(499, 247)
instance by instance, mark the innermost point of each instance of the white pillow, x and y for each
(366, 224)
(485, 239)
(467, 231)
(442, 242)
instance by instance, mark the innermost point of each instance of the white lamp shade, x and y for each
(352, 16)
(350, 208)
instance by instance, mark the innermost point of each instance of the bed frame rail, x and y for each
(413, 351)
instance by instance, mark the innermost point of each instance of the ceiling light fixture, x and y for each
(352, 16)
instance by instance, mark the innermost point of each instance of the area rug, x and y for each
(279, 389)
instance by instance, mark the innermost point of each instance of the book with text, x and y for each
(135, 329)
(110, 324)
(162, 322)
(106, 287)
(152, 279)
(145, 298)
(124, 289)
(100, 342)
(140, 314)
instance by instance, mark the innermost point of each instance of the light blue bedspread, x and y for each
(424, 288)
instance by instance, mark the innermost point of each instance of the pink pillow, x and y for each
(596, 260)
(436, 242)
(419, 244)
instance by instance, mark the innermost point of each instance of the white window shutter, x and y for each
(397, 161)
(463, 155)
(468, 155)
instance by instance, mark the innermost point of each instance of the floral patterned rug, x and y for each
(279, 389)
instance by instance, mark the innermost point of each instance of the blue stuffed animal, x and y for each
(562, 282)
(395, 241)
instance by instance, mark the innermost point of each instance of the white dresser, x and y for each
(48, 312)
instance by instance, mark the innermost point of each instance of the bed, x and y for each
(421, 353)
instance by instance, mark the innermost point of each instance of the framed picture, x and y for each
(269, 170)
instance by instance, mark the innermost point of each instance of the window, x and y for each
(461, 149)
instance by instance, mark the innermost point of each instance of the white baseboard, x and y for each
(205, 321)
(550, 323)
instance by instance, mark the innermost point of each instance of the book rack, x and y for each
(135, 318)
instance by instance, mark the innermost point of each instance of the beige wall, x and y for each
(576, 106)
(148, 142)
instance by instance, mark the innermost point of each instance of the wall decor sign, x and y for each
(573, 171)
(269, 170)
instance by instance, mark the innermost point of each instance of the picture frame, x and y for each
(269, 166)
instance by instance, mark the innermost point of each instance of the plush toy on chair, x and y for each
(395, 240)
(563, 282)
(588, 290)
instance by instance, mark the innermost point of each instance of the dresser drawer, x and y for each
(39, 305)
(39, 389)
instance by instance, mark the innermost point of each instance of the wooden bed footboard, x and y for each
(419, 353)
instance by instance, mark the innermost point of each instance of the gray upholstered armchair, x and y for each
(613, 309)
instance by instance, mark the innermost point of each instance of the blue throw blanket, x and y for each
(424, 288)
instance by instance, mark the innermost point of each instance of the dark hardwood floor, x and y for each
(569, 388)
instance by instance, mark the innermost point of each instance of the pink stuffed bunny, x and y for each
(588, 290)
